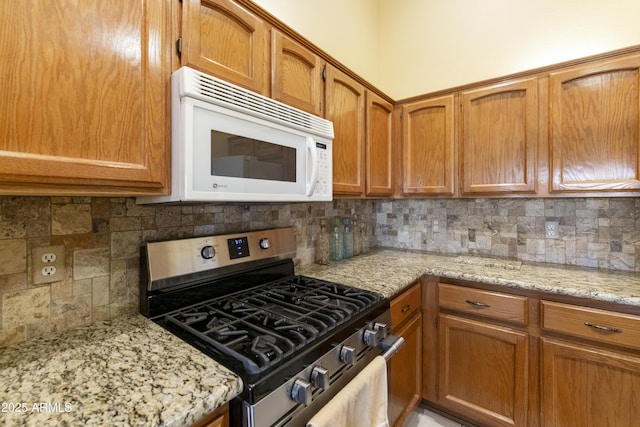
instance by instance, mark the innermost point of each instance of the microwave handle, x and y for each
(313, 150)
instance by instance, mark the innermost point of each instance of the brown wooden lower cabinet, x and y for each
(218, 418)
(405, 375)
(483, 371)
(585, 386)
(516, 358)
(404, 381)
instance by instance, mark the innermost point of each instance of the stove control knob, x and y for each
(373, 337)
(383, 328)
(348, 355)
(208, 252)
(301, 391)
(320, 377)
(264, 243)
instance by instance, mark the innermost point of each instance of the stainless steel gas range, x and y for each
(295, 341)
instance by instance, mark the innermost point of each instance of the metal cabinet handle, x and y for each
(477, 304)
(603, 328)
(405, 308)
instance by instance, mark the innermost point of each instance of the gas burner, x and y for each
(262, 326)
(265, 349)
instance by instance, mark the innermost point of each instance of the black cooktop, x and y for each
(264, 325)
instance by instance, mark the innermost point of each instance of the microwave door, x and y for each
(244, 166)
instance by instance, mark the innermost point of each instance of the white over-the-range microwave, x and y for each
(231, 144)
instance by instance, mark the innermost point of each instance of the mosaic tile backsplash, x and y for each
(593, 232)
(102, 239)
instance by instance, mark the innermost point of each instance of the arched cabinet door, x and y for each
(428, 146)
(297, 75)
(594, 127)
(379, 155)
(221, 38)
(345, 100)
(499, 138)
(84, 97)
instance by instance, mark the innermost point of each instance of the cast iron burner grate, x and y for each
(264, 325)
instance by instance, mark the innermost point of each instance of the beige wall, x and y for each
(346, 30)
(410, 47)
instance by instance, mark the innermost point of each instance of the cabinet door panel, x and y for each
(405, 380)
(595, 127)
(297, 75)
(588, 387)
(379, 146)
(345, 100)
(83, 97)
(428, 138)
(223, 39)
(483, 371)
(499, 138)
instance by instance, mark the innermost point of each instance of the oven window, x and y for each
(241, 157)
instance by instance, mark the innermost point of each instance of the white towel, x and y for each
(362, 403)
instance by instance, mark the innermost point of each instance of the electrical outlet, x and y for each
(551, 229)
(47, 264)
(49, 270)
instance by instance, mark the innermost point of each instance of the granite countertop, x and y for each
(130, 372)
(123, 372)
(389, 271)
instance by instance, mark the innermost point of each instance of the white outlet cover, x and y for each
(47, 264)
(552, 229)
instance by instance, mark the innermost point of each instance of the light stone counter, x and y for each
(131, 372)
(389, 271)
(123, 372)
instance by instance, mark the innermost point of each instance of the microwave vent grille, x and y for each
(219, 92)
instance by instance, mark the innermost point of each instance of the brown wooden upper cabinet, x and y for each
(379, 147)
(83, 106)
(345, 100)
(297, 75)
(594, 127)
(499, 138)
(428, 146)
(221, 38)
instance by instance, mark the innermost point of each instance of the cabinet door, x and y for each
(405, 372)
(428, 146)
(221, 38)
(594, 136)
(588, 387)
(345, 103)
(483, 371)
(83, 107)
(297, 75)
(499, 138)
(379, 158)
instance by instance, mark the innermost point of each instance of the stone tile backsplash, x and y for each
(102, 239)
(594, 232)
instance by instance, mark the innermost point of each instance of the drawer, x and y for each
(495, 305)
(404, 305)
(601, 325)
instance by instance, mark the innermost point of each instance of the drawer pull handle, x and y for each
(477, 304)
(405, 308)
(603, 328)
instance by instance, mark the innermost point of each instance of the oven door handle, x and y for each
(391, 345)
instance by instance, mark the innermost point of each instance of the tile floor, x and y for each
(422, 417)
